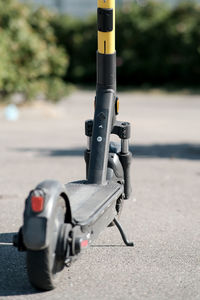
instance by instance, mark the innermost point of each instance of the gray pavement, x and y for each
(163, 219)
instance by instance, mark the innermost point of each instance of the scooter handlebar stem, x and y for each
(106, 26)
(106, 54)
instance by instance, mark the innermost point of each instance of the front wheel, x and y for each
(44, 266)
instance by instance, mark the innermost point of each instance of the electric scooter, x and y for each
(60, 220)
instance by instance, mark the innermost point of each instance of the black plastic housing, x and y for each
(105, 19)
(106, 71)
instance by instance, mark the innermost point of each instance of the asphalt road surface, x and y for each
(163, 219)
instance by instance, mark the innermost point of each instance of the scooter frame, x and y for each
(61, 220)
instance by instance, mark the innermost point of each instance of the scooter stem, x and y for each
(104, 118)
(106, 54)
(106, 39)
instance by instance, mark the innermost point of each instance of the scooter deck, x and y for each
(89, 201)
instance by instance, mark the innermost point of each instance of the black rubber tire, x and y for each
(43, 266)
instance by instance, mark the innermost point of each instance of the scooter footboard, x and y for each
(93, 206)
(38, 214)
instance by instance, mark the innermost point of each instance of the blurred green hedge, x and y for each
(31, 62)
(156, 44)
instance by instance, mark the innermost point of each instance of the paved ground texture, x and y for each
(163, 219)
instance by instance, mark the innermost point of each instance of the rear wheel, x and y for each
(44, 266)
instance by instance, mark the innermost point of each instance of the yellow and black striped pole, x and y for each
(106, 38)
(106, 54)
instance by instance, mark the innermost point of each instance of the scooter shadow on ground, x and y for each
(189, 151)
(108, 246)
(13, 276)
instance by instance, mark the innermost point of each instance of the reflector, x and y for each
(84, 243)
(37, 203)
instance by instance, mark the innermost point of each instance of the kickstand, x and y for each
(126, 242)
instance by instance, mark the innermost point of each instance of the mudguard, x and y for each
(37, 227)
(114, 164)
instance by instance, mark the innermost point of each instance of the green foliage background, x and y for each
(41, 52)
(156, 45)
(30, 59)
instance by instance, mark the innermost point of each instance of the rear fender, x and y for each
(38, 227)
